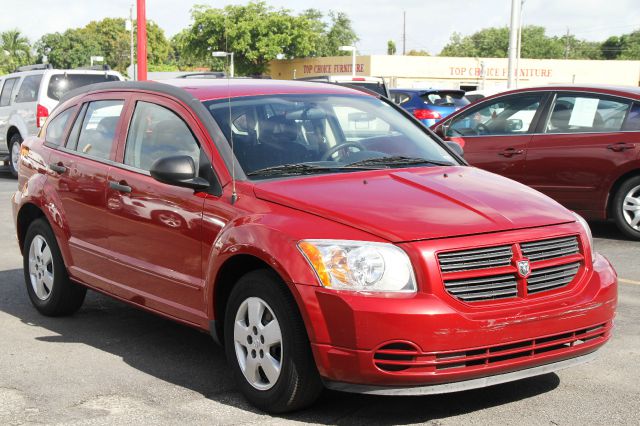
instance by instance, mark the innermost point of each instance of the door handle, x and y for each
(58, 168)
(621, 146)
(120, 186)
(510, 152)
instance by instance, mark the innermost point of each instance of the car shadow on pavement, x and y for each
(188, 358)
(607, 230)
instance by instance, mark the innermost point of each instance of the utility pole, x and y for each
(519, 45)
(404, 33)
(513, 40)
(132, 57)
(142, 41)
(566, 45)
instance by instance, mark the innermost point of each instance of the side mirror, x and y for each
(179, 170)
(513, 125)
(441, 130)
(455, 147)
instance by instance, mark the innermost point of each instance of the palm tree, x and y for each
(15, 47)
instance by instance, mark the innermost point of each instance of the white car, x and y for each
(375, 84)
(28, 95)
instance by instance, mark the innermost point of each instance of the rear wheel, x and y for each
(626, 208)
(48, 285)
(267, 345)
(14, 153)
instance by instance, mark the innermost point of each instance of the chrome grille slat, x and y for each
(485, 288)
(550, 249)
(467, 260)
(552, 278)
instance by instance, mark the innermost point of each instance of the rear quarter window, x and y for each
(451, 99)
(29, 89)
(60, 84)
(7, 89)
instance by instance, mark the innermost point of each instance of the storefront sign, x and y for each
(498, 72)
(331, 68)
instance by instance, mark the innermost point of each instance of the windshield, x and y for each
(322, 134)
(59, 84)
(446, 98)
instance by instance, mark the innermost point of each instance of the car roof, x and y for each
(628, 91)
(430, 90)
(211, 89)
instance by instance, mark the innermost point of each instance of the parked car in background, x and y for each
(579, 145)
(375, 84)
(429, 105)
(320, 255)
(28, 95)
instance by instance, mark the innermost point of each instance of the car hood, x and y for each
(418, 203)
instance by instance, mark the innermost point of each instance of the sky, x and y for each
(429, 23)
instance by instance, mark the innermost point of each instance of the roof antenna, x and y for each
(234, 194)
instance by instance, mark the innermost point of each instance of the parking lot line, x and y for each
(623, 280)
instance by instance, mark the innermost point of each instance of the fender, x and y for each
(16, 121)
(611, 184)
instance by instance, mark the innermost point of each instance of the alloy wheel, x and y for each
(631, 208)
(15, 155)
(258, 343)
(41, 267)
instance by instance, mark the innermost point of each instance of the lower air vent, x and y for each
(546, 279)
(484, 288)
(397, 356)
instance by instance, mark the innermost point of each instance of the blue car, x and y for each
(429, 105)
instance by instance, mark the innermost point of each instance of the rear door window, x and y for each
(60, 84)
(586, 114)
(29, 89)
(7, 89)
(632, 123)
(99, 127)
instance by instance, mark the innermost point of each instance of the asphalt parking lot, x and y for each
(113, 364)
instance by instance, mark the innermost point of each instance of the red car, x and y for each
(321, 234)
(578, 145)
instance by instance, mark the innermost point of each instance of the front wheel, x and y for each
(626, 208)
(267, 345)
(14, 153)
(48, 285)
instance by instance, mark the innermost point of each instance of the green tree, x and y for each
(109, 38)
(15, 50)
(391, 47)
(414, 52)
(257, 33)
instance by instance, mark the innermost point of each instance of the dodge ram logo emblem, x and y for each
(524, 268)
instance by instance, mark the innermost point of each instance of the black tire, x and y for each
(64, 297)
(298, 384)
(15, 139)
(618, 207)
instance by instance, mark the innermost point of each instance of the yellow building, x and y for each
(464, 73)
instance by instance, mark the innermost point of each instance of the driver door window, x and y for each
(506, 116)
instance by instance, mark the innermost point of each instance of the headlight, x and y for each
(587, 230)
(359, 265)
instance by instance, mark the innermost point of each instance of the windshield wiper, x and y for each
(398, 160)
(304, 169)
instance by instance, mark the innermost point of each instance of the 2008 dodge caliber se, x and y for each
(324, 236)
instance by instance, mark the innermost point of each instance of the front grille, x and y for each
(468, 274)
(550, 249)
(485, 288)
(545, 279)
(403, 357)
(468, 260)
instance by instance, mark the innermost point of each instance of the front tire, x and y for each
(14, 153)
(626, 208)
(48, 285)
(267, 345)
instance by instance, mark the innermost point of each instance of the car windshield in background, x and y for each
(287, 135)
(63, 83)
(444, 98)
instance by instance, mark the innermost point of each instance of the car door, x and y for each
(580, 145)
(495, 134)
(155, 229)
(78, 175)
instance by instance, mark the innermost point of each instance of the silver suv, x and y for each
(28, 95)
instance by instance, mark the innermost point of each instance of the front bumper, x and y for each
(422, 340)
